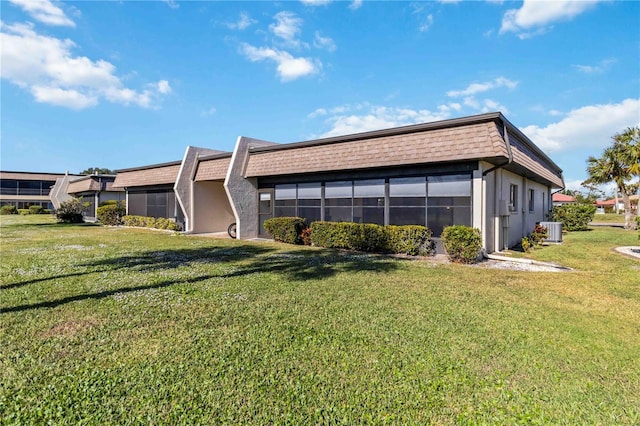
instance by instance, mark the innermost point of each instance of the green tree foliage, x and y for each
(97, 171)
(619, 163)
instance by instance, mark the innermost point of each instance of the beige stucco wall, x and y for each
(212, 211)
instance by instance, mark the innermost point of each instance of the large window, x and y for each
(407, 201)
(368, 201)
(285, 204)
(310, 202)
(449, 202)
(338, 201)
(436, 201)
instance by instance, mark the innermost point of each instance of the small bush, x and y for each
(8, 209)
(410, 239)
(462, 243)
(285, 229)
(111, 214)
(70, 211)
(638, 224)
(24, 212)
(47, 211)
(574, 217)
(35, 209)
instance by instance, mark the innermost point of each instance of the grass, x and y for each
(110, 326)
(608, 218)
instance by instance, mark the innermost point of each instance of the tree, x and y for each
(619, 164)
(98, 171)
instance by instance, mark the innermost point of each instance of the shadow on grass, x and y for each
(295, 265)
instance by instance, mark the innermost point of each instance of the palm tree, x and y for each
(618, 164)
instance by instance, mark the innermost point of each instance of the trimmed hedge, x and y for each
(35, 209)
(411, 240)
(574, 217)
(9, 209)
(638, 225)
(150, 222)
(285, 229)
(24, 212)
(111, 214)
(462, 243)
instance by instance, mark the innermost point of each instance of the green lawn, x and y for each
(608, 218)
(121, 326)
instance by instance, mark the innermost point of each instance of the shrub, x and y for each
(638, 225)
(111, 203)
(35, 209)
(150, 222)
(285, 229)
(306, 236)
(70, 211)
(8, 209)
(462, 243)
(47, 211)
(574, 217)
(111, 214)
(24, 212)
(412, 240)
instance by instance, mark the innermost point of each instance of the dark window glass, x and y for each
(9, 187)
(407, 216)
(449, 186)
(532, 197)
(337, 214)
(407, 201)
(284, 211)
(440, 217)
(309, 214)
(137, 204)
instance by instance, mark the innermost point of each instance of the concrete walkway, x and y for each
(631, 251)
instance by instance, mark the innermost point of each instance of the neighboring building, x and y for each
(24, 189)
(562, 199)
(149, 190)
(479, 171)
(93, 190)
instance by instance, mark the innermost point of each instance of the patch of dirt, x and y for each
(70, 328)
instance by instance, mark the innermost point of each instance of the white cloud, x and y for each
(287, 27)
(164, 87)
(45, 11)
(326, 43)
(315, 2)
(587, 127)
(208, 112)
(289, 68)
(244, 22)
(426, 24)
(173, 4)
(476, 88)
(348, 119)
(535, 15)
(355, 5)
(599, 68)
(46, 67)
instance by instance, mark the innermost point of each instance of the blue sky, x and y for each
(122, 84)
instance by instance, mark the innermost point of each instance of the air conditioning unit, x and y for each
(554, 231)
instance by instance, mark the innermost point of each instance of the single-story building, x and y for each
(559, 199)
(93, 190)
(479, 171)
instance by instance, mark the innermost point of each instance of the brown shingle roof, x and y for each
(526, 157)
(213, 169)
(83, 185)
(474, 141)
(31, 175)
(145, 176)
